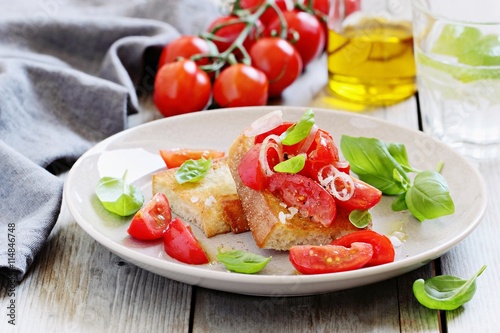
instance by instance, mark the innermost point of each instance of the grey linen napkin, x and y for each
(69, 72)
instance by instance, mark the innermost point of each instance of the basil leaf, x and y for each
(360, 218)
(445, 292)
(429, 196)
(300, 130)
(193, 170)
(292, 165)
(242, 262)
(399, 203)
(119, 197)
(398, 151)
(371, 160)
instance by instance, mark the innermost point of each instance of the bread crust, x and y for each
(272, 223)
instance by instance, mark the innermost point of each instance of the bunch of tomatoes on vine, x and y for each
(244, 58)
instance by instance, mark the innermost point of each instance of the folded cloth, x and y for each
(68, 79)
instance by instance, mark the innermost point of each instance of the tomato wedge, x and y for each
(311, 259)
(365, 197)
(306, 195)
(181, 244)
(175, 157)
(150, 222)
(383, 250)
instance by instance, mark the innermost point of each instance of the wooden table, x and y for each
(76, 285)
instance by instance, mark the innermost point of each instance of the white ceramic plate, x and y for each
(136, 150)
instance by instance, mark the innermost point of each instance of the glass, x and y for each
(370, 51)
(457, 51)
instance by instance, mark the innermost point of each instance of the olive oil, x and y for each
(372, 62)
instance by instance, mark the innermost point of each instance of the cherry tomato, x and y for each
(322, 152)
(279, 60)
(276, 131)
(227, 28)
(181, 244)
(383, 250)
(365, 197)
(311, 36)
(175, 157)
(184, 47)
(250, 170)
(181, 87)
(305, 194)
(309, 259)
(269, 14)
(240, 85)
(150, 222)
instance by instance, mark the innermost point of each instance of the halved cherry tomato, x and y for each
(184, 47)
(276, 131)
(175, 157)
(309, 259)
(322, 152)
(181, 87)
(181, 244)
(305, 194)
(383, 250)
(150, 222)
(250, 170)
(279, 60)
(365, 197)
(240, 85)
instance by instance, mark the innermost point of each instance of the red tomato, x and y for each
(250, 170)
(304, 194)
(184, 47)
(279, 60)
(309, 259)
(175, 157)
(311, 41)
(227, 28)
(181, 244)
(269, 14)
(276, 131)
(365, 197)
(181, 87)
(150, 221)
(383, 250)
(322, 152)
(240, 85)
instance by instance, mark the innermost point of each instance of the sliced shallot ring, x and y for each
(264, 148)
(333, 174)
(309, 140)
(265, 123)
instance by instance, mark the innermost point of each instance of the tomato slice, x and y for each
(250, 169)
(322, 152)
(306, 195)
(311, 259)
(150, 222)
(365, 197)
(383, 250)
(181, 244)
(175, 157)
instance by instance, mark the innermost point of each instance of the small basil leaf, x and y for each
(193, 170)
(429, 196)
(292, 165)
(371, 160)
(242, 262)
(398, 151)
(445, 292)
(119, 197)
(360, 218)
(399, 203)
(300, 130)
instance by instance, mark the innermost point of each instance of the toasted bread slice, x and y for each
(272, 223)
(212, 203)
